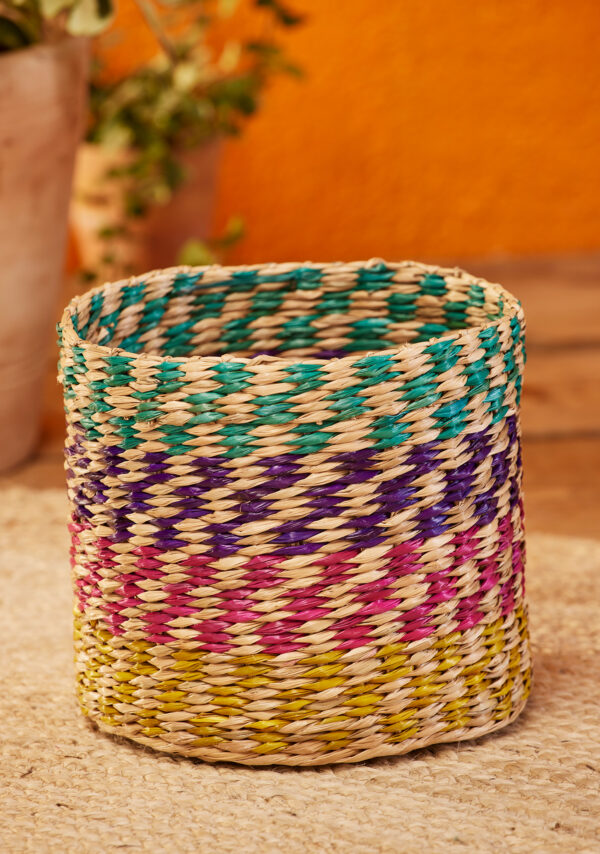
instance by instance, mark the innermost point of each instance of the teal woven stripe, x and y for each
(278, 408)
(209, 299)
(202, 300)
(96, 305)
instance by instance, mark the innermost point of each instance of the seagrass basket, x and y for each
(296, 509)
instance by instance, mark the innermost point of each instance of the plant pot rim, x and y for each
(41, 48)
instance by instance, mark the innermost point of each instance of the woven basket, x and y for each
(296, 509)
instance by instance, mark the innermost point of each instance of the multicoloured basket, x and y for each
(296, 509)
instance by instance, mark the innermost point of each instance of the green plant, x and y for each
(197, 253)
(28, 22)
(196, 88)
(185, 96)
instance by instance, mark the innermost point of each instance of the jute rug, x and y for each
(67, 788)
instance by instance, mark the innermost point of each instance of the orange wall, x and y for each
(425, 128)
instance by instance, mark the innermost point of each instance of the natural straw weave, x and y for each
(296, 509)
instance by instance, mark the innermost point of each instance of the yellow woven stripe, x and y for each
(122, 685)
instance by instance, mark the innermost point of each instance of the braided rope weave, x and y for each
(296, 509)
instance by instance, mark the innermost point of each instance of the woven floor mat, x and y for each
(65, 787)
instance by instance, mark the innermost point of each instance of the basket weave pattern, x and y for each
(296, 509)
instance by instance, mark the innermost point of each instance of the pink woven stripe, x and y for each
(305, 604)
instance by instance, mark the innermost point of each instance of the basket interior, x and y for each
(316, 312)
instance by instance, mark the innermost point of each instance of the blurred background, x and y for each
(251, 131)
(422, 128)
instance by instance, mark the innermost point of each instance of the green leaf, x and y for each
(89, 17)
(12, 37)
(107, 232)
(227, 7)
(51, 8)
(234, 231)
(230, 57)
(88, 276)
(196, 253)
(281, 12)
(186, 76)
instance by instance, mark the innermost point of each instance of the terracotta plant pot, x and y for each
(152, 241)
(42, 98)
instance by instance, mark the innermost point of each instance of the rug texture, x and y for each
(66, 787)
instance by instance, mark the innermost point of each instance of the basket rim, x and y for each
(71, 338)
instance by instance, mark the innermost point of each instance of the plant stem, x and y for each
(153, 23)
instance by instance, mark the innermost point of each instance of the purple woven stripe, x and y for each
(281, 472)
